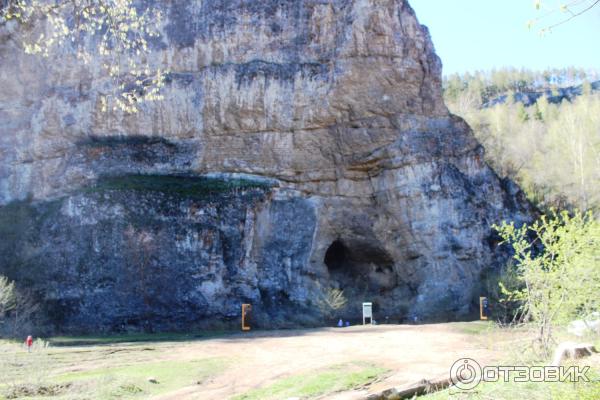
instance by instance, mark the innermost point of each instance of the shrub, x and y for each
(557, 266)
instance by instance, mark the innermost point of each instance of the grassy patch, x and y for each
(137, 380)
(99, 372)
(532, 390)
(472, 328)
(333, 379)
(131, 338)
(133, 380)
(529, 390)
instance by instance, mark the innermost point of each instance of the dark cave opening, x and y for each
(359, 264)
(336, 256)
(365, 271)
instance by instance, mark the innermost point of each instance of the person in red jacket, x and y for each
(29, 343)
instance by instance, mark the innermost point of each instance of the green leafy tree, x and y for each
(113, 33)
(557, 262)
(7, 296)
(551, 150)
(17, 308)
(522, 113)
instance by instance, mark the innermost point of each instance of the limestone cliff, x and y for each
(301, 145)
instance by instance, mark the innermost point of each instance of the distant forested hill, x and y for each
(540, 128)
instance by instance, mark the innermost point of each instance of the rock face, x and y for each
(302, 145)
(530, 97)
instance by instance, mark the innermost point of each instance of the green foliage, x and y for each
(526, 390)
(472, 327)
(551, 150)
(131, 381)
(557, 260)
(522, 113)
(17, 308)
(24, 373)
(314, 384)
(48, 371)
(112, 33)
(114, 339)
(7, 296)
(503, 310)
(482, 86)
(196, 187)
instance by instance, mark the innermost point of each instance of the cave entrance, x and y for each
(359, 266)
(365, 271)
(336, 256)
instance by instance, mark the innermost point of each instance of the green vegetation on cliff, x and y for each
(179, 185)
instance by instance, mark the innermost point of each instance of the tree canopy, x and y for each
(552, 149)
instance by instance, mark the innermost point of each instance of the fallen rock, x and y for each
(585, 326)
(412, 390)
(571, 350)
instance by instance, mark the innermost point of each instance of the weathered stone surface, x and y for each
(334, 105)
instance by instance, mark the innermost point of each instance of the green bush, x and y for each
(557, 269)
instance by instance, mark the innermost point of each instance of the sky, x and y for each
(474, 35)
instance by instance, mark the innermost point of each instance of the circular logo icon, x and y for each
(465, 373)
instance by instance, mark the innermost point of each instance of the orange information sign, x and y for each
(483, 308)
(246, 309)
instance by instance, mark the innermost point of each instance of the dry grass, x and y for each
(99, 371)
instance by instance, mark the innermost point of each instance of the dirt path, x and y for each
(410, 352)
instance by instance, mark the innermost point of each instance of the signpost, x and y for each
(483, 308)
(246, 313)
(367, 309)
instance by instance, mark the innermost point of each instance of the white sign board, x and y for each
(367, 309)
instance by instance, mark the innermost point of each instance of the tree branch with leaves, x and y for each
(114, 33)
(7, 296)
(553, 16)
(557, 261)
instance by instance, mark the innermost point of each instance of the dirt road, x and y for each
(411, 353)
